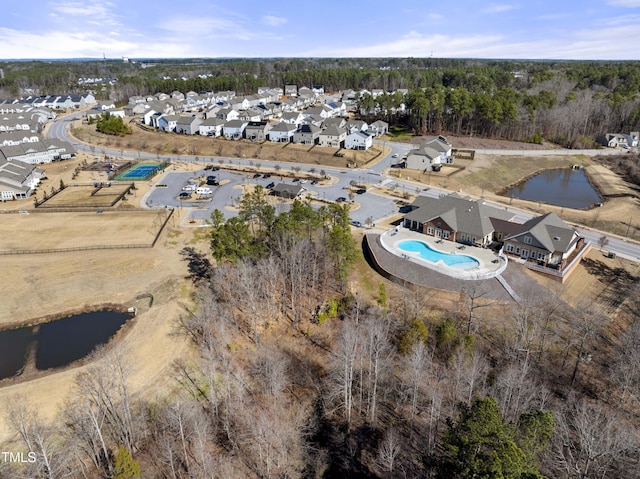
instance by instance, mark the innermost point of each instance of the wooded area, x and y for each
(299, 370)
(296, 375)
(569, 103)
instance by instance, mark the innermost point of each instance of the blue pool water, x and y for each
(458, 261)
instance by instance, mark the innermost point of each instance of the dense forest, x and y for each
(295, 375)
(569, 103)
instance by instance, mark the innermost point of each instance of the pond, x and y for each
(560, 187)
(59, 342)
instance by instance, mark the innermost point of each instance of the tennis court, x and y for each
(141, 171)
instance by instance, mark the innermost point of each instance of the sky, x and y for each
(523, 29)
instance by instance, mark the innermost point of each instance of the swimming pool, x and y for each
(457, 261)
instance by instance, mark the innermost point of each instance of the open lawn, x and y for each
(46, 230)
(87, 195)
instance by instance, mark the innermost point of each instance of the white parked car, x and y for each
(303, 181)
(395, 155)
(189, 187)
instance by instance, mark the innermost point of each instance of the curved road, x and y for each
(372, 205)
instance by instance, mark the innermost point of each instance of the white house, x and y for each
(356, 125)
(292, 117)
(234, 129)
(228, 114)
(168, 122)
(332, 137)
(378, 128)
(211, 127)
(282, 132)
(358, 140)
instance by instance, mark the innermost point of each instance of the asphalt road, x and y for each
(371, 205)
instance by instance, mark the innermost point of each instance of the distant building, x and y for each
(284, 190)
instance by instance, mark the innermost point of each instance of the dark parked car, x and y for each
(271, 185)
(314, 182)
(341, 199)
(267, 175)
(216, 168)
(355, 223)
(185, 194)
(212, 180)
(361, 191)
(257, 175)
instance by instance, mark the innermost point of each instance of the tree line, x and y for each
(569, 103)
(296, 374)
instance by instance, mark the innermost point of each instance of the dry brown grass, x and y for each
(56, 283)
(85, 195)
(162, 143)
(76, 230)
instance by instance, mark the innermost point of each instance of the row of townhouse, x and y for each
(59, 102)
(309, 130)
(251, 109)
(18, 179)
(24, 119)
(37, 152)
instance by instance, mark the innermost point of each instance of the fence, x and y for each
(98, 247)
(564, 272)
(78, 248)
(471, 274)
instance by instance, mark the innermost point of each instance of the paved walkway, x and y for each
(513, 285)
(397, 269)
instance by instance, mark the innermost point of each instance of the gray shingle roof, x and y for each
(548, 232)
(460, 213)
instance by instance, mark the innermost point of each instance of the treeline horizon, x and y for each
(566, 102)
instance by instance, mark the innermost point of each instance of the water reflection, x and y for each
(59, 342)
(560, 187)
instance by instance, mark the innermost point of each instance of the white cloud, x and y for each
(592, 44)
(272, 21)
(86, 9)
(101, 13)
(416, 45)
(625, 3)
(629, 19)
(210, 27)
(498, 8)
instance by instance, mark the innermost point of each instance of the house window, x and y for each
(439, 224)
(527, 239)
(430, 230)
(445, 234)
(509, 248)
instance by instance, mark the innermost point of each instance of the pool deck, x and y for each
(491, 264)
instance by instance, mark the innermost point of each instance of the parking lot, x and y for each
(368, 205)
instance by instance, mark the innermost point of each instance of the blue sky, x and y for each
(540, 29)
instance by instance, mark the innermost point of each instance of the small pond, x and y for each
(59, 342)
(560, 187)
